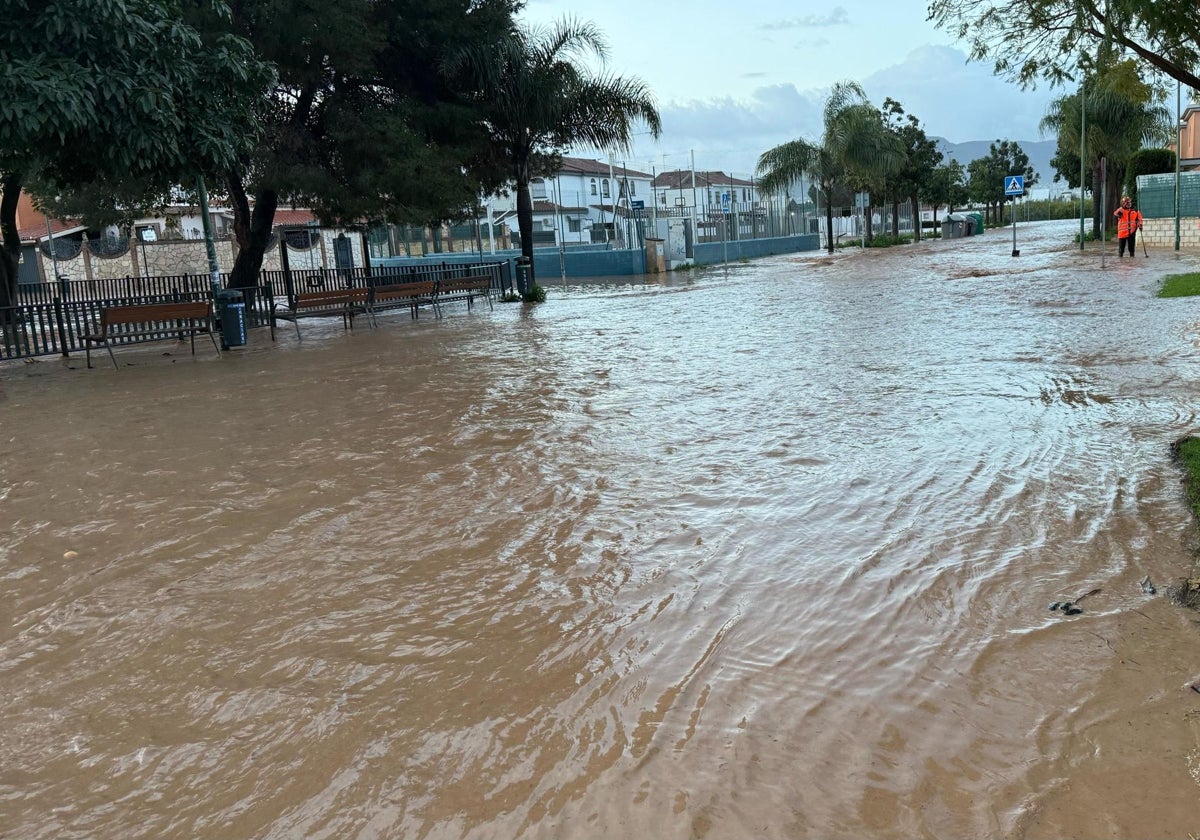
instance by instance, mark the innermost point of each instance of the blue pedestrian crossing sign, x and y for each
(1014, 185)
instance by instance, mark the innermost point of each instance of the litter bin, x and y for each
(523, 284)
(231, 312)
(953, 228)
(978, 217)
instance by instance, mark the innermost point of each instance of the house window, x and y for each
(538, 188)
(662, 199)
(573, 225)
(593, 186)
(745, 194)
(604, 188)
(633, 187)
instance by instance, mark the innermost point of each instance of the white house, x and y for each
(702, 188)
(579, 203)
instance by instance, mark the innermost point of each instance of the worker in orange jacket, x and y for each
(1129, 222)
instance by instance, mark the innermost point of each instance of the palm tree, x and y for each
(855, 148)
(539, 102)
(1121, 116)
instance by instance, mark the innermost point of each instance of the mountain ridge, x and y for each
(1039, 151)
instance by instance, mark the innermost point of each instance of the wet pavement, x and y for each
(763, 550)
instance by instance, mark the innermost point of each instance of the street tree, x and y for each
(855, 148)
(116, 90)
(364, 124)
(987, 176)
(539, 100)
(921, 159)
(1028, 40)
(1120, 113)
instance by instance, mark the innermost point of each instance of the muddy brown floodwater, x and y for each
(757, 554)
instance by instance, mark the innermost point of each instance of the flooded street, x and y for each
(764, 553)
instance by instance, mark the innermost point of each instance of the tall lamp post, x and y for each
(1179, 126)
(1082, 153)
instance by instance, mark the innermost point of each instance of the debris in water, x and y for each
(1147, 585)
(1055, 605)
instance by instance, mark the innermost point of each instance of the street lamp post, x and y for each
(1082, 152)
(1179, 126)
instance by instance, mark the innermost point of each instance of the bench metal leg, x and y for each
(213, 337)
(108, 347)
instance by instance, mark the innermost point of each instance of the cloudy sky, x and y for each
(733, 78)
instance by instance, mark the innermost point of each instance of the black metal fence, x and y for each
(50, 319)
(288, 283)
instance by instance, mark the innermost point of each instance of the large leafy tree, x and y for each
(539, 100)
(987, 174)
(1049, 39)
(1119, 113)
(921, 159)
(946, 185)
(855, 148)
(119, 90)
(364, 123)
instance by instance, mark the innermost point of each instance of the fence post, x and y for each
(60, 322)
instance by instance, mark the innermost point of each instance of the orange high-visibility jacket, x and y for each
(1127, 220)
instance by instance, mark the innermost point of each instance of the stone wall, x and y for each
(1161, 232)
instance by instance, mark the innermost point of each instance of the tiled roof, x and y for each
(35, 233)
(586, 166)
(681, 179)
(294, 217)
(551, 207)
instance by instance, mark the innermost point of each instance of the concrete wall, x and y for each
(710, 253)
(1161, 232)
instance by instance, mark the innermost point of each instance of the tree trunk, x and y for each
(10, 255)
(525, 224)
(252, 230)
(895, 219)
(829, 217)
(869, 224)
(916, 214)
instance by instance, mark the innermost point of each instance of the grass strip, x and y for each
(1180, 285)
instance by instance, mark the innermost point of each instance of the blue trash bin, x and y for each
(231, 312)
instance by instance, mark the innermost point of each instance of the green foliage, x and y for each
(536, 294)
(887, 240)
(1180, 285)
(117, 90)
(1187, 452)
(856, 149)
(1147, 162)
(1031, 40)
(538, 98)
(1111, 119)
(915, 177)
(511, 297)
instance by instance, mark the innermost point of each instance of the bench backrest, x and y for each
(467, 284)
(150, 312)
(329, 298)
(421, 288)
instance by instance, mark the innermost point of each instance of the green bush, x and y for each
(510, 297)
(535, 295)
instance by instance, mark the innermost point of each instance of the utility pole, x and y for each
(209, 246)
(1082, 151)
(1178, 152)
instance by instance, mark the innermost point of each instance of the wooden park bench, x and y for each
(466, 288)
(150, 321)
(335, 303)
(411, 296)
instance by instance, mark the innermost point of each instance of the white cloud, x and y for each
(951, 98)
(836, 17)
